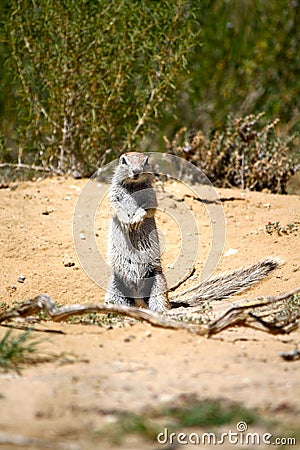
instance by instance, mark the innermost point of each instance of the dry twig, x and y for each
(244, 313)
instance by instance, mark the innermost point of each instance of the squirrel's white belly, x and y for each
(134, 253)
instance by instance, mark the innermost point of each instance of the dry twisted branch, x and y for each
(245, 313)
(45, 303)
(253, 311)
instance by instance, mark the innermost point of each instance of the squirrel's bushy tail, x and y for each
(226, 284)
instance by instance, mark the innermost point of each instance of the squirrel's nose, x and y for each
(136, 171)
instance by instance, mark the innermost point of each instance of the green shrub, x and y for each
(15, 351)
(92, 77)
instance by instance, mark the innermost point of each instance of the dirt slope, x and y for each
(130, 367)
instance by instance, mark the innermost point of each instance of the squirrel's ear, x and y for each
(146, 160)
(123, 159)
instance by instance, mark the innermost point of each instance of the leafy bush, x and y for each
(92, 77)
(245, 154)
(248, 62)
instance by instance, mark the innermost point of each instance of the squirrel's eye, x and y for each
(123, 160)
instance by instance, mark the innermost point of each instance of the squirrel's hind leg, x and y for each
(115, 295)
(158, 300)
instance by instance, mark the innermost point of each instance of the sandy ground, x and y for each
(129, 367)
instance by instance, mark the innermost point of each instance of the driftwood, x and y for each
(256, 312)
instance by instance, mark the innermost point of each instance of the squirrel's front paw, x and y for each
(138, 217)
(124, 217)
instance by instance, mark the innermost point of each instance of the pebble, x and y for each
(231, 251)
(68, 261)
(21, 278)
(77, 188)
(129, 338)
(46, 212)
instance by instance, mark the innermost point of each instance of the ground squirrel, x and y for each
(134, 252)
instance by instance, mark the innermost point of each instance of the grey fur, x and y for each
(134, 251)
(226, 284)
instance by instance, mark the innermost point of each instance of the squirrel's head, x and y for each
(134, 167)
